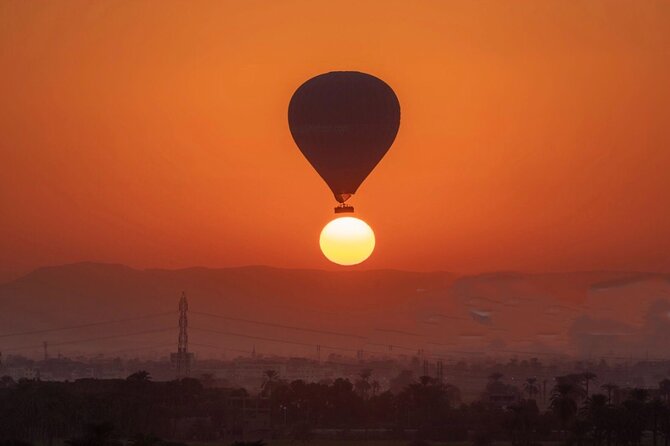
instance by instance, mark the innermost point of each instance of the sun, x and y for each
(347, 241)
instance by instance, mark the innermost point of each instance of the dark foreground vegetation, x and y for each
(140, 412)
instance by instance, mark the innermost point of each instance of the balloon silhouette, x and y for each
(344, 122)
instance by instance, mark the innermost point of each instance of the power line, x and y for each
(146, 347)
(392, 345)
(411, 349)
(92, 324)
(271, 324)
(281, 341)
(218, 347)
(100, 338)
(260, 338)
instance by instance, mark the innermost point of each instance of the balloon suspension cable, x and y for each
(344, 209)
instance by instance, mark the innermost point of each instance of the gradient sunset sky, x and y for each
(535, 135)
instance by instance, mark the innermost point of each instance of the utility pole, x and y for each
(182, 359)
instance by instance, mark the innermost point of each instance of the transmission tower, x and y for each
(182, 359)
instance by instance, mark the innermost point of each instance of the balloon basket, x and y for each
(344, 209)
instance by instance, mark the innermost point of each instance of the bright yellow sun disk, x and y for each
(347, 241)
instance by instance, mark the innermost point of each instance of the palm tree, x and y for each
(563, 404)
(375, 386)
(362, 385)
(664, 388)
(270, 378)
(609, 388)
(588, 377)
(656, 410)
(575, 384)
(524, 416)
(597, 412)
(636, 419)
(531, 388)
(362, 388)
(638, 394)
(427, 400)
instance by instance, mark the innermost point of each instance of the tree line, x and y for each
(92, 412)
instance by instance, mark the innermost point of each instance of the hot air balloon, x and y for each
(344, 122)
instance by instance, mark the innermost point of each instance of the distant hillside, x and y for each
(342, 311)
(7, 275)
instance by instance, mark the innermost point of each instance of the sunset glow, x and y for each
(158, 136)
(347, 241)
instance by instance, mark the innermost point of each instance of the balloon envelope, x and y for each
(344, 122)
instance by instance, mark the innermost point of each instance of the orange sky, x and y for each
(534, 136)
